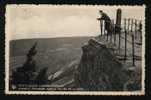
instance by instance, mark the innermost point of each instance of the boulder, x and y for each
(99, 69)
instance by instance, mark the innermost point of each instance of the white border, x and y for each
(7, 91)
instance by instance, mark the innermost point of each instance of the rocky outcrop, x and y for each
(99, 69)
(27, 74)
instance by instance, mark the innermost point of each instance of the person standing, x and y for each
(108, 24)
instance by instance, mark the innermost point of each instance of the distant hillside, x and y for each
(53, 53)
(20, 47)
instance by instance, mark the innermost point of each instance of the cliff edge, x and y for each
(99, 69)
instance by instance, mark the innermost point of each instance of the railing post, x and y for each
(118, 25)
(136, 28)
(140, 30)
(133, 50)
(118, 18)
(125, 56)
(112, 23)
(111, 37)
(119, 41)
(131, 25)
(114, 33)
(101, 26)
(128, 25)
(106, 31)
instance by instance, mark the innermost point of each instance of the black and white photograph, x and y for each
(74, 49)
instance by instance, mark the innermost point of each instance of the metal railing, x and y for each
(130, 28)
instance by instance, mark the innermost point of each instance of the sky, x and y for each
(49, 21)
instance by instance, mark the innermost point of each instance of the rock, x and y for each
(42, 77)
(26, 74)
(99, 69)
